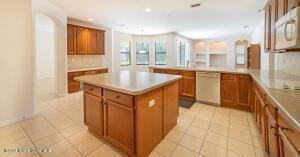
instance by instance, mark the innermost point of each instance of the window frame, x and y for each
(147, 52)
(129, 55)
(165, 44)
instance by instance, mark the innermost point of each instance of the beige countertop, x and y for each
(129, 82)
(287, 101)
(86, 69)
(208, 69)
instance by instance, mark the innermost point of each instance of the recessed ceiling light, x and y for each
(246, 26)
(90, 19)
(148, 10)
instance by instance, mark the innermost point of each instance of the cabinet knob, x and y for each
(272, 127)
(118, 96)
(284, 129)
(91, 89)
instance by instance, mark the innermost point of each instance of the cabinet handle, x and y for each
(91, 89)
(117, 97)
(272, 127)
(284, 129)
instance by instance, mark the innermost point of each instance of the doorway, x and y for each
(45, 58)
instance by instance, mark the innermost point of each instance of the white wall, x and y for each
(44, 7)
(45, 58)
(16, 60)
(85, 61)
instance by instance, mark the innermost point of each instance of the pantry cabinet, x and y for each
(85, 41)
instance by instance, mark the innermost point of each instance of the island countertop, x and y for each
(129, 82)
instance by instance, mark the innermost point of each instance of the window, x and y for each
(125, 53)
(142, 58)
(183, 54)
(160, 53)
(241, 52)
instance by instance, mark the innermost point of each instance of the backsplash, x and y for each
(82, 62)
(288, 62)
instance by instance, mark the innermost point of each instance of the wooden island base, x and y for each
(135, 124)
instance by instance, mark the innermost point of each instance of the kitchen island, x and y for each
(133, 111)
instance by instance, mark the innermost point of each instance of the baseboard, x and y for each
(16, 119)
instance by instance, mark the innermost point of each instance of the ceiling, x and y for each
(213, 19)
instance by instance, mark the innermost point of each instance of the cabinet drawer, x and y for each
(93, 90)
(290, 133)
(119, 97)
(188, 73)
(173, 72)
(227, 76)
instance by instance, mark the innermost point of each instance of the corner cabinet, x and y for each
(236, 91)
(85, 41)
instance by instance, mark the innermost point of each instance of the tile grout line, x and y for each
(30, 139)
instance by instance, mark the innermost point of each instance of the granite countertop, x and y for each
(287, 101)
(129, 82)
(208, 69)
(86, 69)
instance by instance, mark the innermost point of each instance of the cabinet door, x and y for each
(281, 8)
(100, 49)
(93, 113)
(243, 87)
(71, 40)
(73, 86)
(286, 148)
(188, 85)
(81, 40)
(291, 4)
(91, 41)
(273, 19)
(272, 138)
(119, 126)
(227, 90)
(267, 29)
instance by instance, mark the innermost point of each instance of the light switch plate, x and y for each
(151, 103)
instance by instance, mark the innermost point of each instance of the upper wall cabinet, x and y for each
(85, 41)
(274, 10)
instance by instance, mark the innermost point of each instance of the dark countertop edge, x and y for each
(129, 92)
(86, 69)
(281, 109)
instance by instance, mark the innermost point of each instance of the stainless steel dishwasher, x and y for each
(208, 87)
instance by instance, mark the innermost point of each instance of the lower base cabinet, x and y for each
(93, 113)
(272, 135)
(119, 126)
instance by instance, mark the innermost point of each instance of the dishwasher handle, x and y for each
(209, 75)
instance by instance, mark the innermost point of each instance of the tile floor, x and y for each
(202, 131)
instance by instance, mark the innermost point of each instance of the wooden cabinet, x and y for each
(73, 85)
(267, 29)
(272, 135)
(71, 42)
(173, 72)
(188, 85)
(119, 125)
(228, 89)
(85, 41)
(150, 120)
(273, 19)
(93, 117)
(81, 41)
(162, 71)
(243, 87)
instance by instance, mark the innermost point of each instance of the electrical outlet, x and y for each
(151, 103)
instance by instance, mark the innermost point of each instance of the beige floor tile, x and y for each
(220, 121)
(185, 119)
(34, 128)
(217, 139)
(165, 148)
(261, 153)
(174, 136)
(191, 113)
(79, 137)
(211, 150)
(241, 148)
(12, 134)
(257, 142)
(241, 136)
(181, 110)
(199, 123)
(181, 127)
(104, 151)
(191, 142)
(72, 152)
(183, 152)
(49, 140)
(57, 149)
(36, 136)
(73, 129)
(254, 131)
(218, 129)
(239, 127)
(88, 146)
(197, 132)
(155, 154)
(233, 154)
